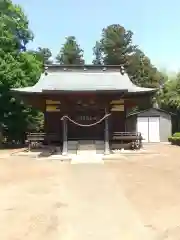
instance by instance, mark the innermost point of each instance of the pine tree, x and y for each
(70, 53)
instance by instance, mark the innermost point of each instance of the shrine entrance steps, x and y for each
(83, 146)
(87, 151)
(84, 151)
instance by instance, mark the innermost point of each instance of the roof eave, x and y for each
(21, 91)
(146, 91)
(145, 110)
(32, 90)
(86, 90)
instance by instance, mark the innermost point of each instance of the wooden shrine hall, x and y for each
(85, 103)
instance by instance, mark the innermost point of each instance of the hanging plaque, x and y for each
(120, 101)
(49, 102)
(52, 108)
(117, 108)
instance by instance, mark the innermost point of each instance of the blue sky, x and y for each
(156, 25)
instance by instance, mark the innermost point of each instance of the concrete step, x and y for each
(99, 147)
(86, 154)
(89, 147)
(72, 147)
(99, 143)
(86, 146)
(59, 157)
(72, 143)
(72, 151)
(97, 158)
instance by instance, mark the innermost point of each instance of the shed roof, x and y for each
(147, 110)
(84, 78)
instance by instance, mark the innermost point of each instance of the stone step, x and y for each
(89, 152)
(89, 147)
(99, 147)
(86, 145)
(72, 147)
(72, 143)
(81, 142)
(71, 151)
(59, 157)
(97, 158)
(99, 143)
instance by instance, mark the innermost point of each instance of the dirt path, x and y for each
(98, 209)
(45, 200)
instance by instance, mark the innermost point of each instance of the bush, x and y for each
(177, 134)
(175, 139)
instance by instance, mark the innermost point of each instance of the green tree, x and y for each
(97, 52)
(116, 45)
(116, 48)
(141, 71)
(14, 30)
(169, 99)
(18, 68)
(169, 96)
(70, 53)
(45, 55)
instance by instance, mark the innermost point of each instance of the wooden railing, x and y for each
(34, 139)
(134, 139)
(126, 136)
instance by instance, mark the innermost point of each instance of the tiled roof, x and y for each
(86, 80)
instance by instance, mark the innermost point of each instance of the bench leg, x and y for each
(29, 146)
(140, 144)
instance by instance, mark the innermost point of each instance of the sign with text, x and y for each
(52, 108)
(52, 102)
(117, 108)
(120, 101)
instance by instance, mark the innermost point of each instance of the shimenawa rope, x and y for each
(86, 125)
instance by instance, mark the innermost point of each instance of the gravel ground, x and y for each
(136, 197)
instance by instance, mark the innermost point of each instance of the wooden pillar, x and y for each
(106, 135)
(65, 130)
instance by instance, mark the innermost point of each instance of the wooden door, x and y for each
(154, 129)
(143, 128)
(86, 117)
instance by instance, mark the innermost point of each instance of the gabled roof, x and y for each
(154, 108)
(84, 78)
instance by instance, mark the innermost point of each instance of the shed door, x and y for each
(154, 129)
(142, 127)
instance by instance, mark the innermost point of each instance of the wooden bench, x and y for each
(134, 139)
